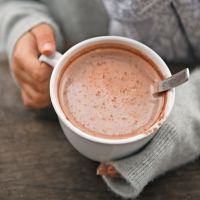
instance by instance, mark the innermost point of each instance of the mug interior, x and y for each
(149, 53)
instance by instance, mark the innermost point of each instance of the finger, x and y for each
(107, 170)
(28, 102)
(27, 59)
(35, 96)
(45, 39)
(41, 87)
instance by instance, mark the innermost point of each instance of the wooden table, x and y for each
(38, 163)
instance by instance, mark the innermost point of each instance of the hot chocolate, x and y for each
(107, 92)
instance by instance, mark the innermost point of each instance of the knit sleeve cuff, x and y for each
(24, 25)
(139, 169)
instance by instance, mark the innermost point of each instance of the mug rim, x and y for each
(116, 39)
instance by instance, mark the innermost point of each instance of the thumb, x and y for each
(45, 39)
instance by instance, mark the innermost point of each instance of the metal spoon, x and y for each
(173, 81)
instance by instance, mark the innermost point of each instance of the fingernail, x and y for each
(48, 48)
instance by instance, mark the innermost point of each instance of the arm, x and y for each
(27, 31)
(18, 17)
(176, 143)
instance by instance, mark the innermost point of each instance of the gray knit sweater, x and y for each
(171, 27)
(176, 143)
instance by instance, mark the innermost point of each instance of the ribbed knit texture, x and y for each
(176, 143)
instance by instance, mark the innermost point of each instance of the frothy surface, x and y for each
(107, 93)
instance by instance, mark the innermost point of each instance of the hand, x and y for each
(32, 75)
(107, 170)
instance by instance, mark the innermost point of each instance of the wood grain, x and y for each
(37, 162)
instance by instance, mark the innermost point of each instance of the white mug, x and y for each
(101, 149)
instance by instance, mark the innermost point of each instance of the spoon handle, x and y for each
(173, 81)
